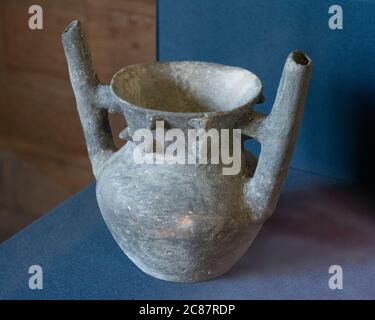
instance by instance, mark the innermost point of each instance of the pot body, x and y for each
(176, 222)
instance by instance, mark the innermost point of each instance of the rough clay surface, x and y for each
(185, 222)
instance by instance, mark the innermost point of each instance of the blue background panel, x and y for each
(336, 135)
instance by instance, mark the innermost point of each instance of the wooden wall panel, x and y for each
(4, 215)
(25, 193)
(2, 60)
(41, 110)
(39, 51)
(131, 34)
(41, 142)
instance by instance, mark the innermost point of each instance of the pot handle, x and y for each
(93, 98)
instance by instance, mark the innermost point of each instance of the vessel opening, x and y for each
(187, 86)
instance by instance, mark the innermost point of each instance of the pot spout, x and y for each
(277, 134)
(93, 98)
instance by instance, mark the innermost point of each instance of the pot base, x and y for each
(181, 279)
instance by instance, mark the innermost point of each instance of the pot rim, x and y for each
(257, 97)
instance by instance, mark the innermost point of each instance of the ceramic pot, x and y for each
(185, 222)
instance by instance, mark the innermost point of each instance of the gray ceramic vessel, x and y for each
(185, 222)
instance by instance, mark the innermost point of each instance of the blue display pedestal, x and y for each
(317, 224)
